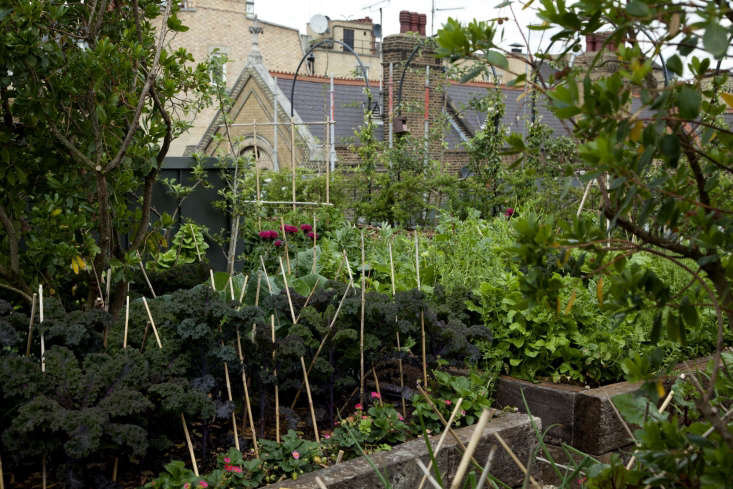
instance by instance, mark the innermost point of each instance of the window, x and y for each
(349, 38)
(218, 66)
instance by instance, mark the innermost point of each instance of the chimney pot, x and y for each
(414, 21)
(422, 21)
(404, 21)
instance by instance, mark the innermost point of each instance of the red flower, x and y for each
(312, 235)
(203, 484)
(278, 242)
(358, 406)
(290, 229)
(447, 402)
(306, 228)
(375, 395)
(269, 234)
(509, 212)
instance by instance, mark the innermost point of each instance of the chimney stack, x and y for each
(412, 22)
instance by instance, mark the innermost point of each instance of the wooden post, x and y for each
(30, 325)
(246, 395)
(310, 400)
(127, 321)
(361, 324)
(397, 331)
(152, 323)
(277, 390)
(43, 340)
(190, 445)
(292, 155)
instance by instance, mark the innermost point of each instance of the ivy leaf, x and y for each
(175, 24)
(715, 39)
(674, 64)
(497, 59)
(638, 8)
(688, 102)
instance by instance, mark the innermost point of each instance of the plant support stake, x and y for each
(152, 323)
(361, 323)
(190, 445)
(30, 325)
(43, 339)
(310, 400)
(277, 389)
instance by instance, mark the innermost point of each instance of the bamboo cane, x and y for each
(328, 163)
(323, 340)
(307, 299)
(152, 323)
(441, 440)
(313, 268)
(267, 279)
(190, 445)
(213, 283)
(246, 395)
(285, 240)
(30, 325)
(422, 315)
(472, 444)
(127, 322)
(287, 290)
(259, 202)
(43, 472)
(109, 285)
(397, 332)
(2, 477)
(661, 409)
(257, 292)
(320, 483)
(195, 241)
(361, 323)
(376, 386)
(147, 280)
(43, 339)
(244, 289)
(277, 393)
(310, 400)
(231, 288)
(114, 469)
(516, 460)
(339, 456)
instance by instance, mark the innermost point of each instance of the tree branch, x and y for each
(694, 161)
(13, 240)
(70, 146)
(150, 79)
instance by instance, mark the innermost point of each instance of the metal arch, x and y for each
(328, 41)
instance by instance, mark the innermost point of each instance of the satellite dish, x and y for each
(319, 24)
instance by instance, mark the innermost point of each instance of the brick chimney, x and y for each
(594, 42)
(412, 22)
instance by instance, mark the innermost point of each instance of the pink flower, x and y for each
(187, 485)
(228, 468)
(365, 417)
(203, 484)
(270, 234)
(227, 460)
(401, 418)
(290, 229)
(463, 412)
(296, 455)
(375, 395)
(358, 406)
(447, 402)
(306, 228)
(312, 235)
(326, 435)
(509, 212)
(278, 242)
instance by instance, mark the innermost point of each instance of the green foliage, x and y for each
(476, 389)
(368, 430)
(188, 246)
(75, 150)
(678, 448)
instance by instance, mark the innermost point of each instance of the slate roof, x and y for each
(312, 104)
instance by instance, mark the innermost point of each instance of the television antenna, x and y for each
(432, 15)
(375, 4)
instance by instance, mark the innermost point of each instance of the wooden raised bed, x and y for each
(585, 418)
(399, 467)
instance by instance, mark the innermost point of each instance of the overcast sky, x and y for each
(296, 13)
